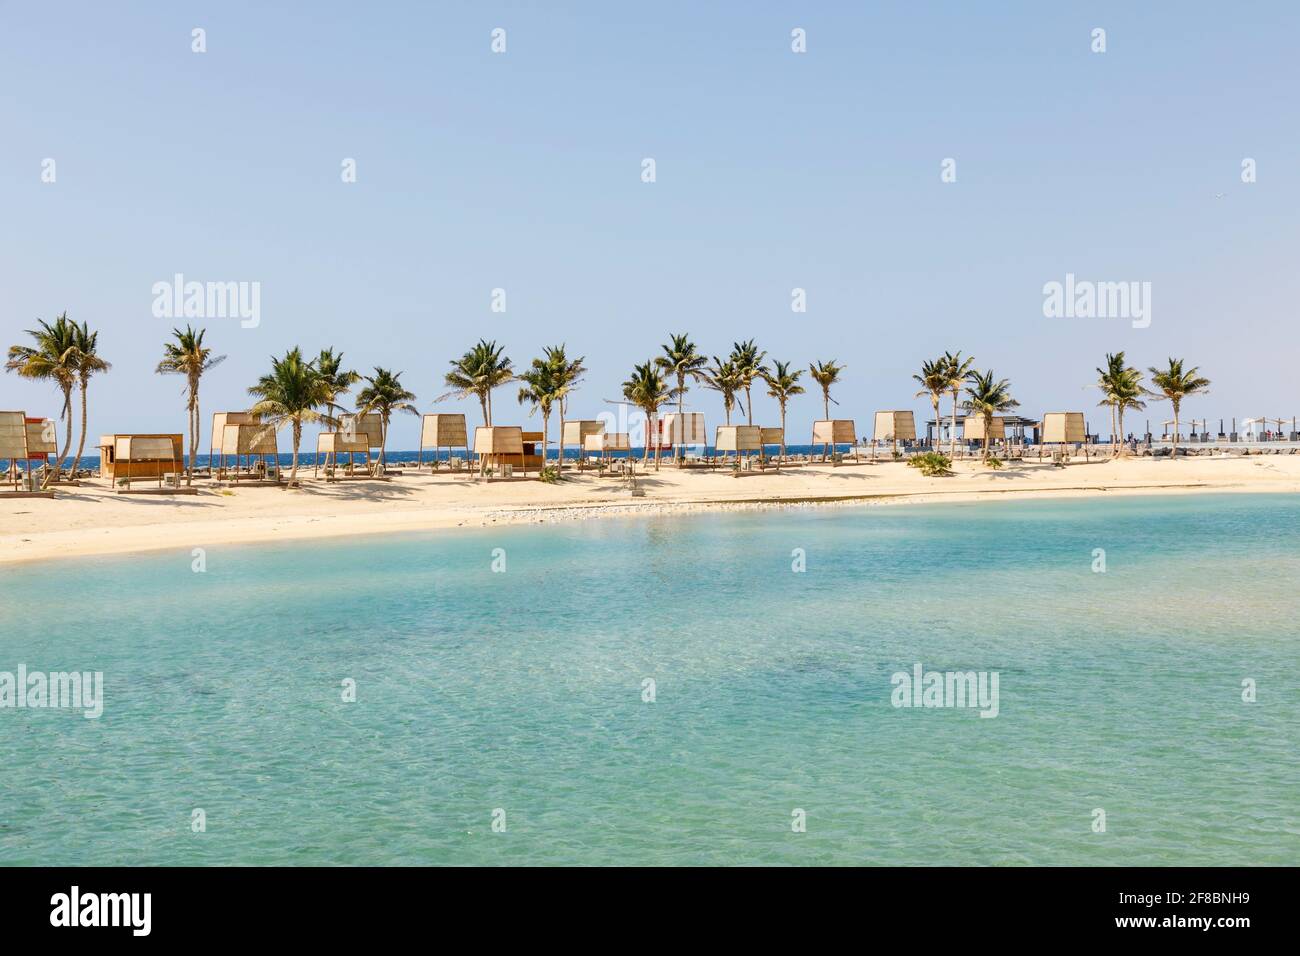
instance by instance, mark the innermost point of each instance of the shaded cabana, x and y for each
(439, 432)
(14, 448)
(368, 428)
(576, 432)
(894, 426)
(219, 422)
(1063, 428)
(500, 446)
(250, 441)
(771, 436)
(371, 425)
(973, 428)
(151, 459)
(681, 429)
(330, 445)
(43, 444)
(128, 458)
(739, 440)
(607, 443)
(835, 431)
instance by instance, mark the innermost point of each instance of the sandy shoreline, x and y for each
(93, 520)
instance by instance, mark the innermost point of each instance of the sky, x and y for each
(774, 171)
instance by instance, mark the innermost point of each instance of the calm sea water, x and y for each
(522, 690)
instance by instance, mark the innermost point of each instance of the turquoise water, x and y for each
(522, 691)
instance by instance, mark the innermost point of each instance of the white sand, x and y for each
(93, 520)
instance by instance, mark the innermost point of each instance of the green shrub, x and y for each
(994, 462)
(550, 474)
(932, 464)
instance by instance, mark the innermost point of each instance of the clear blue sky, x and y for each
(775, 170)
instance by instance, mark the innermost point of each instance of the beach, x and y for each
(93, 520)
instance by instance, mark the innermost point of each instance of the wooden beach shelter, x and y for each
(831, 432)
(14, 449)
(739, 440)
(42, 443)
(370, 426)
(439, 432)
(1063, 428)
(768, 437)
(577, 431)
(250, 441)
(149, 457)
(128, 458)
(973, 429)
(329, 445)
(679, 429)
(605, 444)
(219, 422)
(894, 426)
(500, 445)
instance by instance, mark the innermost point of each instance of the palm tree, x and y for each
(826, 374)
(958, 370)
(987, 397)
(88, 363)
(1128, 394)
(749, 363)
(384, 394)
(1121, 388)
(291, 395)
(725, 379)
(647, 390)
(338, 380)
(934, 382)
(681, 359)
(782, 384)
(54, 358)
(539, 392)
(189, 357)
(567, 373)
(1174, 384)
(477, 372)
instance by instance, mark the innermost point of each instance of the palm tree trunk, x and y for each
(826, 414)
(297, 439)
(782, 432)
(681, 405)
(1173, 453)
(654, 431)
(935, 401)
(194, 432)
(749, 406)
(952, 429)
(67, 437)
(546, 430)
(81, 445)
(189, 437)
(1124, 446)
(559, 460)
(482, 402)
